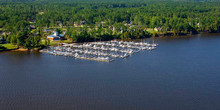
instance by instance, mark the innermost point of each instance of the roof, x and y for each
(56, 35)
(61, 35)
(47, 30)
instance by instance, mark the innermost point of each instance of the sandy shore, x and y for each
(20, 49)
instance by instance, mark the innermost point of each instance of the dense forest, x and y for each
(22, 22)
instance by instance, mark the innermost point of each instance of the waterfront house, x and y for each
(56, 36)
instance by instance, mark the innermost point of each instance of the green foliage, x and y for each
(47, 42)
(105, 20)
(32, 41)
(2, 48)
(8, 46)
(59, 31)
(28, 43)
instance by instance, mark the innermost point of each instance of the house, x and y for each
(76, 24)
(157, 28)
(81, 24)
(56, 36)
(6, 33)
(59, 23)
(198, 24)
(32, 27)
(128, 23)
(47, 30)
(113, 28)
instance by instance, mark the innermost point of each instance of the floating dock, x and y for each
(94, 59)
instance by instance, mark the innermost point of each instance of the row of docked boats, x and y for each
(100, 51)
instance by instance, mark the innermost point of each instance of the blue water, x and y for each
(181, 74)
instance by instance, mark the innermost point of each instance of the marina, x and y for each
(100, 51)
(173, 76)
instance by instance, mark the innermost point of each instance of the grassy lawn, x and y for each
(55, 42)
(150, 30)
(9, 46)
(41, 13)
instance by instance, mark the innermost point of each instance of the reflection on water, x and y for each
(181, 74)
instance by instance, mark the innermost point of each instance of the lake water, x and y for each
(181, 74)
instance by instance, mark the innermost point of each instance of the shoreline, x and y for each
(8, 50)
(159, 36)
(16, 50)
(20, 50)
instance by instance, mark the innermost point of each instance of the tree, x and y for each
(28, 43)
(59, 31)
(13, 39)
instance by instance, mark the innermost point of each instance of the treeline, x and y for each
(85, 34)
(23, 21)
